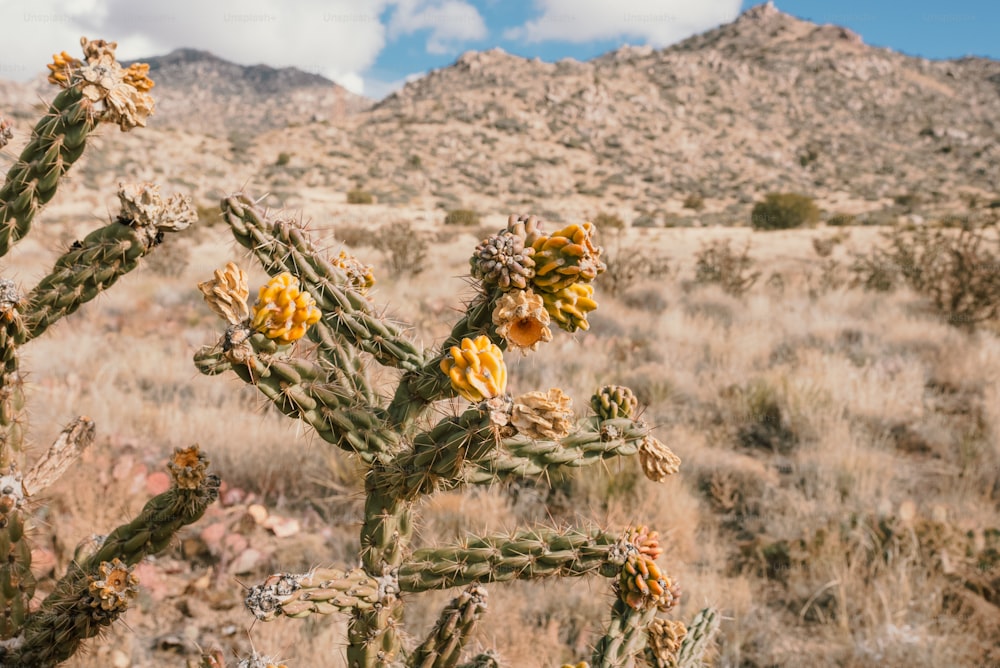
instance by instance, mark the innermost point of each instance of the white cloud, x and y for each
(450, 22)
(657, 22)
(339, 39)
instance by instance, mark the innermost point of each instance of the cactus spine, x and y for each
(495, 438)
(96, 590)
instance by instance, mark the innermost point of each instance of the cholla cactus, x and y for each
(98, 588)
(525, 278)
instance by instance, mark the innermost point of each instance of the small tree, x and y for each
(783, 211)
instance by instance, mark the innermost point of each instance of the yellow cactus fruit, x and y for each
(61, 69)
(569, 307)
(137, 76)
(227, 294)
(187, 467)
(569, 256)
(664, 638)
(476, 369)
(543, 415)
(360, 276)
(614, 401)
(582, 664)
(657, 460)
(521, 319)
(115, 587)
(283, 312)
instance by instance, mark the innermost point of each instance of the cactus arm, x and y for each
(302, 389)
(76, 437)
(12, 330)
(520, 457)
(444, 644)
(57, 141)
(281, 247)
(322, 591)
(68, 615)
(526, 555)
(698, 639)
(104, 256)
(624, 638)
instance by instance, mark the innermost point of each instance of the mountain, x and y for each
(766, 103)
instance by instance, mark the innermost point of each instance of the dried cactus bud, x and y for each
(6, 131)
(543, 415)
(569, 307)
(188, 466)
(61, 69)
(503, 260)
(614, 401)
(521, 319)
(144, 209)
(476, 369)
(227, 294)
(283, 312)
(120, 95)
(567, 257)
(658, 461)
(114, 588)
(641, 584)
(11, 494)
(664, 638)
(645, 542)
(360, 275)
(529, 228)
(10, 300)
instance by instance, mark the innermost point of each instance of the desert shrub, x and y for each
(694, 201)
(842, 220)
(283, 159)
(718, 263)
(461, 217)
(608, 221)
(645, 220)
(629, 265)
(404, 248)
(957, 271)
(354, 235)
(783, 211)
(358, 196)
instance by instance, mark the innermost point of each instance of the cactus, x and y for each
(523, 277)
(97, 588)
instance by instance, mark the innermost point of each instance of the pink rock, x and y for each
(246, 561)
(283, 527)
(157, 483)
(213, 535)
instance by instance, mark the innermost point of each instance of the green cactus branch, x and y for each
(280, 246)
(526, 555)
(57, 141)
(89, 267)
(624, 638)
(444, 644)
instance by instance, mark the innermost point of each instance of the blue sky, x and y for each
(373, 46)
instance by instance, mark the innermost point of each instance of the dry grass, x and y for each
(803, 422)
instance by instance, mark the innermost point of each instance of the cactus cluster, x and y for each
(526, 279)
(100, 584)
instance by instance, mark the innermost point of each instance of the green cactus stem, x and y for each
(12, 330)
(103, 256)
(281, 246)
(624, 638)
(526, 555)
(456, 624)
(699, 638)
(67, 616)
(57, 141)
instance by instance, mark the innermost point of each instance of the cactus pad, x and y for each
(569, 307)
(476, 369)
(543, 415)
(521, 319)
(283, 312)
(567, 257)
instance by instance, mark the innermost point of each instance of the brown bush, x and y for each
(733, 271)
